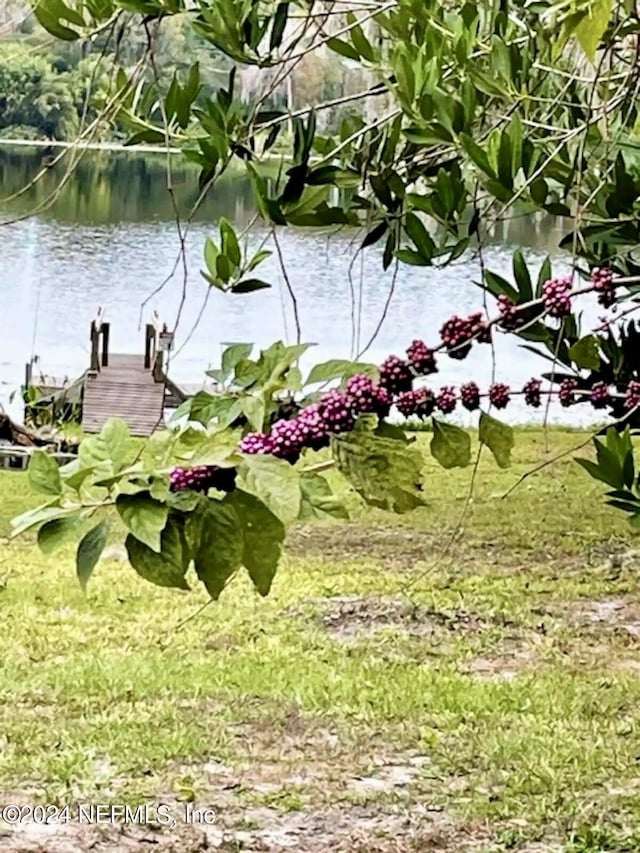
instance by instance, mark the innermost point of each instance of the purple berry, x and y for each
(632, 397)
(531, 391)
(602, 281)
(395, 375)
(446, 399)
(599, 395)
(455, 334)
(479, 329)
(288, 439)
(316, 434)
(256, 442)
(566, 393)
(499, 395)
(470, 396)
(509, 315)
(556, 295)
(201, 478)
(420, 402)
(337, 412)
(421, 358)
(367, 397)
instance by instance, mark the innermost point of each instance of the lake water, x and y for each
(110, 240)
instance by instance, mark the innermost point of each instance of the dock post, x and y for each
(104, 329)
(94, 337)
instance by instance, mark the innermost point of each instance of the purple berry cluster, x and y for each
(338, 412)
(556, 295)
(420, 403)
(201, 478)
(479, 329)
(367, 397)
(446, 399)
(531, 391)
(421, 359)
(314, 427)
(632, 397)
(566, 394)
(455, 334)
(509, 313)
(499, 395)
(602, 281)
(470, 396)
(395, 375)
(600, 395)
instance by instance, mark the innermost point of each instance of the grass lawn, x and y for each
(398, 691)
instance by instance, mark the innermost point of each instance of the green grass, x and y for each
(517, 705)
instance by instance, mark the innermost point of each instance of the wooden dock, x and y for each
(125, 389)
(132, 387)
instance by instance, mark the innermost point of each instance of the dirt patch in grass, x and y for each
(344, 829)
(619, 615)
(393, 547)
(348, 617)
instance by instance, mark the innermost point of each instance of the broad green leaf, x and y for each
(420, 237)
(275, 482)
(339, 368)
(168, 567)
(592, 27)
(318, 499)
(343, 48)
(498, 437)
(211, 253)
(450, 445)
(230, 246)
(263, 538)
(89, 550)
(40, 515)
(44, 473)
(233, 354)
(144, 517)
(254, 411)
(216, 540)
(110, 450)
(586, 352)
(54, 534)
(385, 472)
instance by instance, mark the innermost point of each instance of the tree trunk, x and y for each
(9, 431)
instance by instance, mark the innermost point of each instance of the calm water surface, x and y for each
(110, 241)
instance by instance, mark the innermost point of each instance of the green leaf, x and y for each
(339, 368)
(168, 567)
(54, 534)
(498, 437)
(248, 285)
(109, 451)
(254, 411)
(522, 277)
(263, 538)
(279, 24)
(40, 515)
(44, 473)
(593, 26)
(318, 500)
(275, 482)
(233, 354)
(450, 445)
(144, 517)
(385, 472)
(230, 246)
(586, 352)
(418, 234)
(89, 550)
(211, 253)
(343, 48)
(216, 539)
